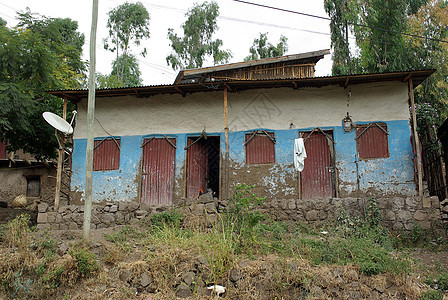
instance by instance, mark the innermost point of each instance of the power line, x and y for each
(350, 23)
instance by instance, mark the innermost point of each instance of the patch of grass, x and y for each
(438, 280)
(431, 295)
(86, 260)
(167, 218)
(17, 232)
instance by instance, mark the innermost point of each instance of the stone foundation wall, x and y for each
(397, 213)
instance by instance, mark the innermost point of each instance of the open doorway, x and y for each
(203, 165)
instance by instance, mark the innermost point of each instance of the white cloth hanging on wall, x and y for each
(299, 154)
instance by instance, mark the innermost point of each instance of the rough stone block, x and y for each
(425, 225)
(398, 203)
(62, 209)
(119, 217)
(144, 206)
(403, 215)
(420, 216)
(206, 198)
(412, 202)
(140, 214)
(292, 204)
(51, 217)
(42, 218)
(146, 279)
(113, 208)
(72, 226)
(122, 205)
(188, 278)
(107, 219)
(435, 201)
(312, 215)
(132, 206)
(42, 226)
(198, 209)
(389, 215)
(73, 208)
(210, 208)
(106, 208)
(427, 202)
(42, 207)
(183, 291)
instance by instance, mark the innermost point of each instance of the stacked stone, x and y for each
(397, 213)
(71, 217)
(444, 210)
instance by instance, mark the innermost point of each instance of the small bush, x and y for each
(17, 232)
(87, 264)
(438, 281)
(167, 218)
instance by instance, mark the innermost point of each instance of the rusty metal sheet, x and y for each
(197, 166)
(2, 150)
(106, 155)
(317, 176)
(260, 149)
(372, 143)
(158, 169)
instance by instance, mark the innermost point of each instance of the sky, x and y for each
(238, 23)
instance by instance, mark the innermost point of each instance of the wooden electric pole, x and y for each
(90, 118)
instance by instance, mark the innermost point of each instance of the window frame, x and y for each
(113, 163)
(248, 138)
(361, 130)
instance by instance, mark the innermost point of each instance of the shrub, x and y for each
(167, 218)
(17, 232)
(87, 264)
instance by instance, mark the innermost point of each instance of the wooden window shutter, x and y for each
(260, 148)
(106, 155)
(372, 141)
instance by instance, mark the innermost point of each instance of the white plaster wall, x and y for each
(274, 108)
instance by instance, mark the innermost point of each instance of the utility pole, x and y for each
(90, 118)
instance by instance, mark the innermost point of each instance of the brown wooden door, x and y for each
(197, 166)
(317, 178)
(158, 171)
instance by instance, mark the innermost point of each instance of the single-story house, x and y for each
(237, 123)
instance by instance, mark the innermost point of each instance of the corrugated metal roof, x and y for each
(315, 56)
(237, 85)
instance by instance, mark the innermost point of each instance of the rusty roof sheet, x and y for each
(75, 95)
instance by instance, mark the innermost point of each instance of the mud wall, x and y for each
(283, 111)
(14, 182)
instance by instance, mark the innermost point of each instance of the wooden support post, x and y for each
(226, 159)
(417, 140)
(60, 165)
(90, 119)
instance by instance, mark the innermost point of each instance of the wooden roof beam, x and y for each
(180, 91)
(228, 87)
(408, 76)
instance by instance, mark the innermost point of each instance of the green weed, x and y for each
(87, 263)
(167, 218)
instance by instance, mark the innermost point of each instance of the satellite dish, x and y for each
(57, 122)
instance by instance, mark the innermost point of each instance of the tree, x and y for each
(261, 48)
(431, 21)
(127, 70)
(107, 81)
(127, 23)
(378, 27)
(189, 51)
(35, 57)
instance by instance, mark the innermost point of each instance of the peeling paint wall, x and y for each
(282, 111)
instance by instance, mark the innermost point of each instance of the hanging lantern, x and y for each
(347, 123)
